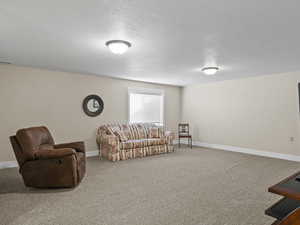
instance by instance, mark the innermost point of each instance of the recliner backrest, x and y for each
(17, 150)
(33, 139)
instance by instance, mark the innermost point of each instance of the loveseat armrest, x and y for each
(108, 142)
(108, 139)
(78, 146)
(170, 136)
(54, 153)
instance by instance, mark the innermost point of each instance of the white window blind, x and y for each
(146, 106)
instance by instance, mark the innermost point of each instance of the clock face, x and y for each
(93, 105)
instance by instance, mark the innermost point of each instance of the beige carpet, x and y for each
(194, 187)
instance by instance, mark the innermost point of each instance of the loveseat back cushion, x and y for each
(121, 131)
(142, 130)
(156, 132)
(139, 130)
(120, 134)
(110, 128)
(132, 131)
(127, 131)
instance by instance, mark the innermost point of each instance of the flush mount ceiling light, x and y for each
(210, 70)
(118, 46)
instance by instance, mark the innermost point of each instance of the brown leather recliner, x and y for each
(43, 164)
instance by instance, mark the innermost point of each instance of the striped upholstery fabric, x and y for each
(156, 132)
(128, 141)
(121, 135)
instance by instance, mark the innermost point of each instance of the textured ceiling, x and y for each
(172, 40)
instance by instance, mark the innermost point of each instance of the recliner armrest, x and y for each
(54, 153)
(78, 146)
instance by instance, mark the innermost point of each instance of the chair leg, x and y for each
(179, 142)
(191, 143)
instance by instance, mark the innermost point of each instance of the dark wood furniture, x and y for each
(287, 210)
(184, 132)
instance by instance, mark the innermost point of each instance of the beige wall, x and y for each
(260, 113)
(32, 97)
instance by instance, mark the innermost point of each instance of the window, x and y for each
(146, 106)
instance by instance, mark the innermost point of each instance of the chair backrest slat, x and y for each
(183, 129)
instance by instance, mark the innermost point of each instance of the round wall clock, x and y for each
(93, 105)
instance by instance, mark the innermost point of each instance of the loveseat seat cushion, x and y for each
(141, 143)
(132, 144)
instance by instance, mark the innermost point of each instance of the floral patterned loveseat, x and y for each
(128, 141)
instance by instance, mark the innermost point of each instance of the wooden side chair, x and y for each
(184, 132)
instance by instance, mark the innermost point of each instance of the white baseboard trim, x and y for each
(295, 158)
(13, 164)
(8, 164)
(249, 151)
(92, 153)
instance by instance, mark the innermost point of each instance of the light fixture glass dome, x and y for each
(118, 46)
(210, 70)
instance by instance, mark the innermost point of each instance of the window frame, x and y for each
(147, 91)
